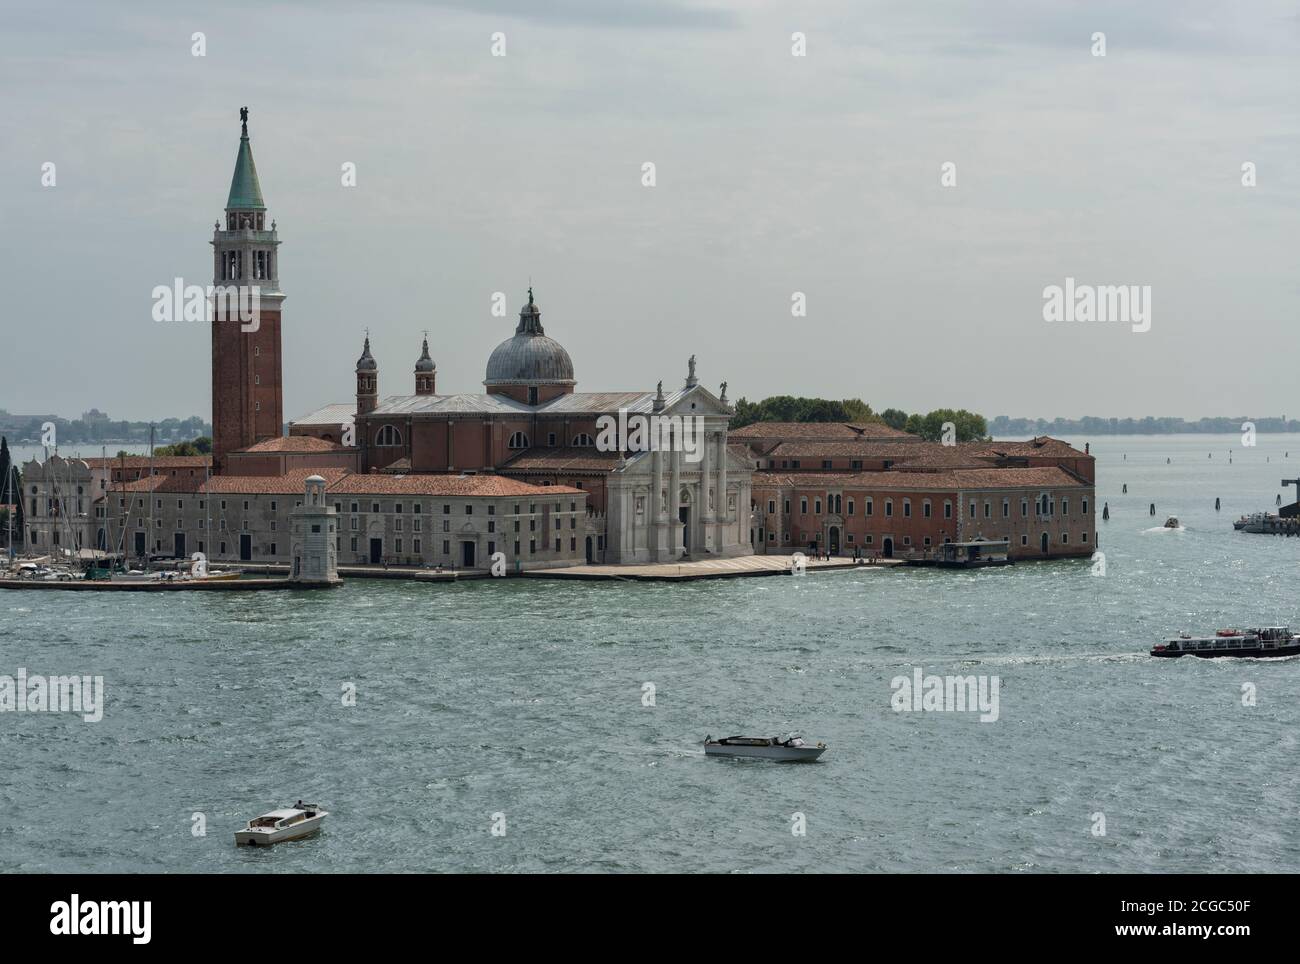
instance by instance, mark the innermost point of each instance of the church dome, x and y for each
(529, 357)
(425, 363)
(366, 363)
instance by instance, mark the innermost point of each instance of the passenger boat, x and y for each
(1272, 641)
(760, 747)
(291, 823)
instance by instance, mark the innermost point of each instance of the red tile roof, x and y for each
(292, 443)
(843, 431)
(541, 459)
(143, 462)
(989, 478)
(453, 485)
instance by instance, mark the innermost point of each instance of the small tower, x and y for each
(315, 558)
(425, 371)
(367, 381)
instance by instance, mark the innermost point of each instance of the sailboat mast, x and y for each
(150, 534)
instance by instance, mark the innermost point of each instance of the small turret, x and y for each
(425, 371)
(367, 381)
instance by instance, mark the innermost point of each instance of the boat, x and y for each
(291, 823)
(1173, 523)
(1269, 642)
(760, 747)
(1256, 522)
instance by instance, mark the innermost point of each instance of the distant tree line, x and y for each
(96, 427)
(199, 446)
(969, 427)
(1092, 425)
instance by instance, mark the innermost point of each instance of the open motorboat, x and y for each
(760, 747)
(291, 823)
(1173, 523)
(1270, 642)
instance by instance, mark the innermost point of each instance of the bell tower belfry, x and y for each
(247, 396)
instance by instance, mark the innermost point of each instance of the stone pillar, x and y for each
(723, 519)
(654, 511)
(674, 495)
(704, 525)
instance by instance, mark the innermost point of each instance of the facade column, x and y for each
(654, 511)
(704, 526)
(723, 519)
(674, 494)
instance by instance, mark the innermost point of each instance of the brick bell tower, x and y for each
(247, 398)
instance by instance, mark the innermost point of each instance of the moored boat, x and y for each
(792, 749)
(1269, 642)
(290, 823)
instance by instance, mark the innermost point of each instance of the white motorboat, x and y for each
(291, 823)
(759, 747)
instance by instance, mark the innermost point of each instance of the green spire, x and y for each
(245, 190)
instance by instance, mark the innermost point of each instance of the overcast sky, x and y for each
(775, 174)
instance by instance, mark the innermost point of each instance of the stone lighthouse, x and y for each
(315, 559)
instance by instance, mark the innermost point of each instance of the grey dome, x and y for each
(366, 363)
(529, 358)
(425, 363)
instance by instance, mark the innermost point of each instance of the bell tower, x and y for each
(247, 396)
(426, 372)
(367, 381)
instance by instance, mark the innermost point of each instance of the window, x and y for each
(1024, 540)
(416, 547)
(557, 545)
(518, 440)
(469, 508)
(374, 507)
(550, 440)
(787, 506)
(856, 463)
(532, 396)
(446, 547)
(817, 506)
(889, 508)
(850, 507)
(869, 506)
(826, 463)
(1084, 508)
(388, 436)
(583, 440)
(907, 508)
(1065, 507)
(1006, 508)
(1065, 537)
(925, 509)
(803, 505)
(1024, 508)
(771, 506)
(1084, 538)
(988, 509)
(397, 546)
(972, 509)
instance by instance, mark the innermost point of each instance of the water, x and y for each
(525, 698)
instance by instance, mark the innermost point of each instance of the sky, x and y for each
(774, 174)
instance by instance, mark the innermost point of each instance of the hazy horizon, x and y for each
(775, 174)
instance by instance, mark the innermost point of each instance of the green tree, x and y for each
(894, 417)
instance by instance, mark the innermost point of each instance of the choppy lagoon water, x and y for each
(525, 698)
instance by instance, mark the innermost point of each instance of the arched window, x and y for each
(582, 439)
(388, 436)
(518, 441)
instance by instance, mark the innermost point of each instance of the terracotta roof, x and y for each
(457, 485)
(828, 431)
(1044, 447)
(292, 443)
(819, 449)
(292, 483)
(143, 462)
(541, 459)
(989, 478)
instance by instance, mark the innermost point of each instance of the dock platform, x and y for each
(164, 585)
